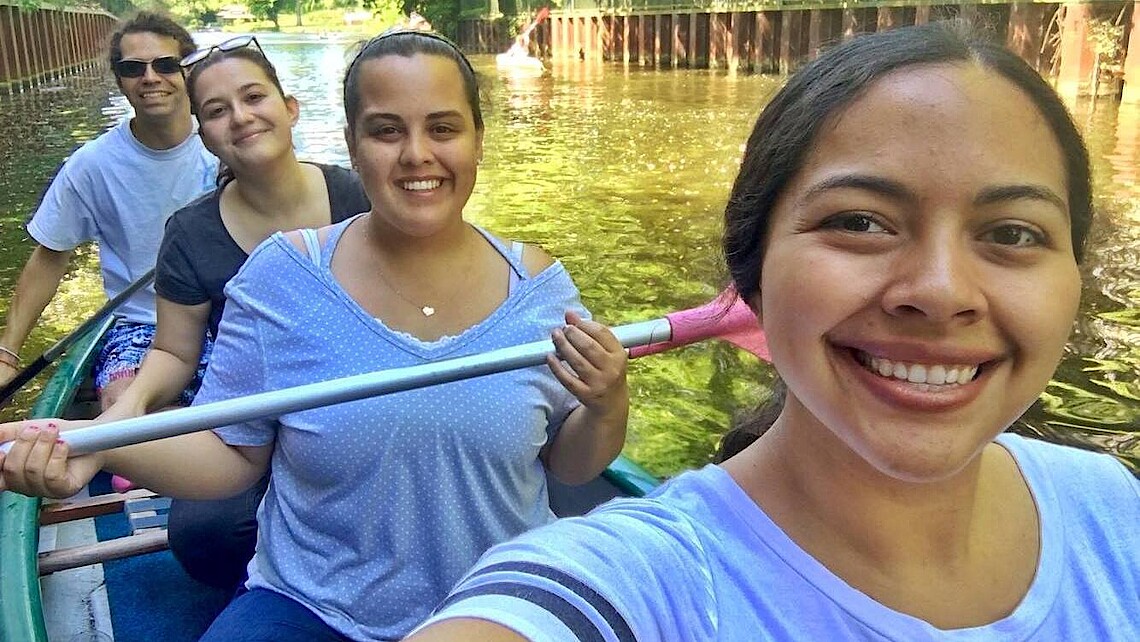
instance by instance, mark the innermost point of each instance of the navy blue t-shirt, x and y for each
(198, 256)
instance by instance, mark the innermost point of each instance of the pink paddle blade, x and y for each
(726, 317)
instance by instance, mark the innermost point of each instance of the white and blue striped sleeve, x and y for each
(619, 575)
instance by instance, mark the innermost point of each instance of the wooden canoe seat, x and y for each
(146, 514)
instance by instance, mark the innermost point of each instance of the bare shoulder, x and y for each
(298, 240)
(466, 629)
(535, 259)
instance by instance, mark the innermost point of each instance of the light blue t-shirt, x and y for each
(118, 192)
(377, 507)
(699, 560)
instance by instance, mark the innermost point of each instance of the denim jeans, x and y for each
(260, 615)
(213, 540)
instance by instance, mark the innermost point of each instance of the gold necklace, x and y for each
(426, 310)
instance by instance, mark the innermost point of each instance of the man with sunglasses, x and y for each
(118, 190)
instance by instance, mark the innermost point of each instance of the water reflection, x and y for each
(622, 174)
(1095, 397)
(38, 129)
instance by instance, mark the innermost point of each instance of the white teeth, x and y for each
(416, 186)
(916, 373)
(932, 374)
(936, 375)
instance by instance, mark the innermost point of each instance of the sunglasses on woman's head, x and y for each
(229, 45)
(166, 65)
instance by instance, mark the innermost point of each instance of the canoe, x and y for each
(519, 65)
(67, 394)
(31, 606)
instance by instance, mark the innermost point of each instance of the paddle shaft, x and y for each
(542, 13)
(61, 346)
(279, 402)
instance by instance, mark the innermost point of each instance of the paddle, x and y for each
(542, 13)
(54, 352)
(736, 324)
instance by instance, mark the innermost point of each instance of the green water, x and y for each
(622, 174)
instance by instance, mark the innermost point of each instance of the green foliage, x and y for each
(321, 15)
(268, 9)
(442, 14)
(1107, 39)
(196, 12)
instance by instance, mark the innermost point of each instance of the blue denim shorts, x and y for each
(123, 350)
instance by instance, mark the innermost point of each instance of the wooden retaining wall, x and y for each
(41, 43)
(1052, 36)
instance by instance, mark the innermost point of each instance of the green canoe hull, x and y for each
(21, 607)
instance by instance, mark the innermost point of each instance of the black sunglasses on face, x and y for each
(229, 45)
(166, 65)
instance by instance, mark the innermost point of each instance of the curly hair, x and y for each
(150, 22)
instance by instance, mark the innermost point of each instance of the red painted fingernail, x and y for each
(51, 424)
(60, 442)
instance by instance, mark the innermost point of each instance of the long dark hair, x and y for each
(787, 128)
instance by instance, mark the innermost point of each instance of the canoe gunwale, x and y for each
(21, 604)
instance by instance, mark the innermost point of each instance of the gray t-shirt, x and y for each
(700, 560)
(118, 192)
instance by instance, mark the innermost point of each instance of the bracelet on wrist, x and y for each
(6, 353)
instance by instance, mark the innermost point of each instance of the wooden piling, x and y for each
(701, 35)
(680, 34)
(1027, 23)
(36, 44)
(8, 69)
(1077, 55)
(1131, 94)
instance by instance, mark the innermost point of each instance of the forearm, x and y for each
(34, 290)
(466, 629)
(589, 440)
(161, 378)
(170, 363)
(194, 466)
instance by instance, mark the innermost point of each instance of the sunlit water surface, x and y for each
(622, 174)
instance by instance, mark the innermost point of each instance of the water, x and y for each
(622, 175)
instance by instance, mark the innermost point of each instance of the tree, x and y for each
(268, 9)
(442, 14)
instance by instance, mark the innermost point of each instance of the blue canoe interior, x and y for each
(148, 596)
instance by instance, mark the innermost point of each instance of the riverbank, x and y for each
(331, 23)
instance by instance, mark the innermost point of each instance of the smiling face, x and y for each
(153, 95)
(244, 120)
(919, 283)
(415, 142)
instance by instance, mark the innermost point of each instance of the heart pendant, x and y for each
(427, 310)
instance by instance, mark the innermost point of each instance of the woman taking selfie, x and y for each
(907, 225)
